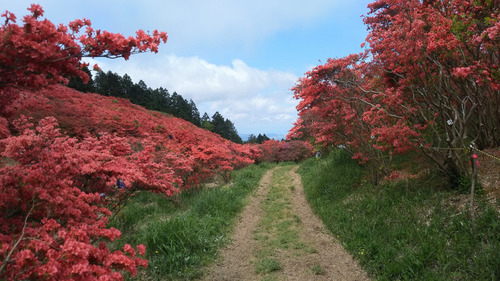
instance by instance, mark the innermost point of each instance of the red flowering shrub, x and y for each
(40, 53)
(283, 151)
(294, 150)
(269, 151)
(51, 228)
(56, 191)
(147, 150)
(429, 78)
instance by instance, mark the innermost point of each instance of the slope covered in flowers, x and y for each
(188, 153)
(62, 154)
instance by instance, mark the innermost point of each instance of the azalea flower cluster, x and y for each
(427, 82)
(40, 53)
(274, 151)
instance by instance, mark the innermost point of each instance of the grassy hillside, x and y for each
(183, 235)
(412, 229)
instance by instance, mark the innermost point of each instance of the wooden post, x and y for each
(473, 182)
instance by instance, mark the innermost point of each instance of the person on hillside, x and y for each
(120, 183)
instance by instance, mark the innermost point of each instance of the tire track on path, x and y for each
(237, 261)
(336, 263)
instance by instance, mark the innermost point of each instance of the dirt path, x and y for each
(312, 255)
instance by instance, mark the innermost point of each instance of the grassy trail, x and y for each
(279, 238)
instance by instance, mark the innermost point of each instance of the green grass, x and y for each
(317, 269)
(279, 227)
(267, 265)
(278, 219)
(403, 230)
(182, 237)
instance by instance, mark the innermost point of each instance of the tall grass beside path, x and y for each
(181, 238)
(406, 230)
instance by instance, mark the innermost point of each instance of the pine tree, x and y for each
(252, 139)
(77, 83)
(195, 114)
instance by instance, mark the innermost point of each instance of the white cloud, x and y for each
(205, 81)
(241, 93)
(284, 117)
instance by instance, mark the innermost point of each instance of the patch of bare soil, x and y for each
(236, 262)
(489, 172)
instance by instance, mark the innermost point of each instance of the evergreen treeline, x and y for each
(257, 139)
(224, 127)
(112, 84)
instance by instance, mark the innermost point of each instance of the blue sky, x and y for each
(237, 57)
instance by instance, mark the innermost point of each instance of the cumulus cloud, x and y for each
(246, 95)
